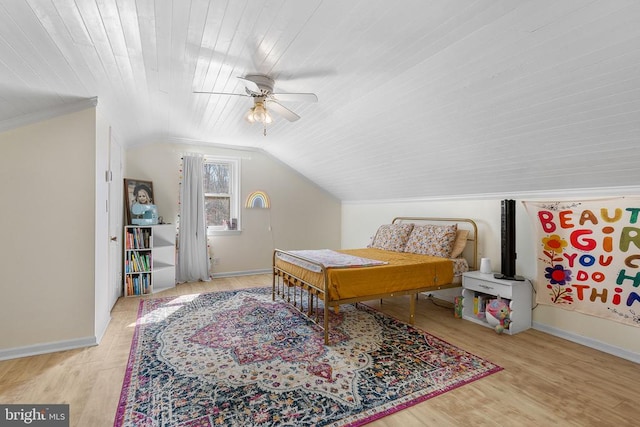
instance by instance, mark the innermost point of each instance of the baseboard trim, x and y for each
(588, 342)
(240, 273)
(37, 349)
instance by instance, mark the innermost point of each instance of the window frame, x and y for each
(234, 195)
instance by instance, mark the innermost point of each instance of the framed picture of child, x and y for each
(136, 192)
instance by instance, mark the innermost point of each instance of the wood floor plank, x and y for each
(545, 380)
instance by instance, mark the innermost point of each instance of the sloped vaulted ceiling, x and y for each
(416, 98)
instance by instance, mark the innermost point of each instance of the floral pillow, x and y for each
(434, 240)
(392, 237)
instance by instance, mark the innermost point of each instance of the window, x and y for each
(222, 193)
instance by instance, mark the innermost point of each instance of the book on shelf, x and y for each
(137, 238)
(138, 284)
(480, 305)
(137, 262)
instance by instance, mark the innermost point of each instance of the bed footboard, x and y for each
(301, 294)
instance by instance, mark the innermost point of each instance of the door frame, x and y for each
(115, 202)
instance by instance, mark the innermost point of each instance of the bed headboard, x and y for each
(470, 251)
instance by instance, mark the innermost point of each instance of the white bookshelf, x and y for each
(149, 259)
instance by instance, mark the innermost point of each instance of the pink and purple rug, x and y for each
(240, 359)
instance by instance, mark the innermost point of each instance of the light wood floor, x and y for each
(546, 380)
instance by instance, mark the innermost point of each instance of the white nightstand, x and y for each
(518, 294)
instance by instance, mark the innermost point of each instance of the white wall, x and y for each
(360, 220)
(302, 216)
(47, 255)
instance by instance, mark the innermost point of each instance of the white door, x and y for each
(115, 219)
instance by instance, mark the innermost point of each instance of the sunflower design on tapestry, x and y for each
(558, 277)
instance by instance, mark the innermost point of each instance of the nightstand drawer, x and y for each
(487, 287)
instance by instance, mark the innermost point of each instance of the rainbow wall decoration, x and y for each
(258, 200)
(588, 256)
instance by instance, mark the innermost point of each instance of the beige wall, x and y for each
(360, 220)
(302, 215)
(47, 255)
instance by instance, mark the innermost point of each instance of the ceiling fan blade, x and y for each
(294, 97)
(282, 111)
(250, 84)
(220, 93)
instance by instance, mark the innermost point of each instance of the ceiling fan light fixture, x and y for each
(259, 114)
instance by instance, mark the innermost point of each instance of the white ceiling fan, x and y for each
(260, 88)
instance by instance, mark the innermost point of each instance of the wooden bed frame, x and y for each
(295, 290)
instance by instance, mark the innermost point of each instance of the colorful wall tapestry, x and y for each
(588, 256)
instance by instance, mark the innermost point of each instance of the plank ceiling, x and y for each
(416, 98)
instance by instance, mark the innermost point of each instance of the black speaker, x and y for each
(508, 241)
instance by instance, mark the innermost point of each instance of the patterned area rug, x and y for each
(240, 359)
